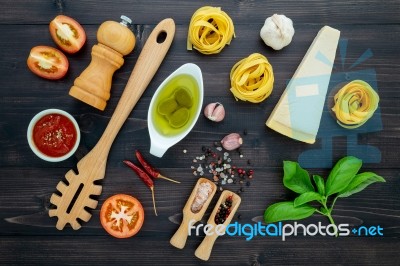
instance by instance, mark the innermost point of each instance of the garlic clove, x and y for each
(232, 141)
(215, 112)
(277, 31)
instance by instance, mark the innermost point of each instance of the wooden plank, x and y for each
(27, 210)
(216, 68)
(32, 94)
(103, 250)
(28, 235)
(264, 147)
(365, 12)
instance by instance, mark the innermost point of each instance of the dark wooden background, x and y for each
(29, 236)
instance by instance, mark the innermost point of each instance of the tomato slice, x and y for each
(67, 33)
(47, 62)
(122, 216)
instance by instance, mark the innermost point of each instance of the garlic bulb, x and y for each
(277, 31)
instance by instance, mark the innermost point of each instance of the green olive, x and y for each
(179, 118)
(183, 97)
(167, 106)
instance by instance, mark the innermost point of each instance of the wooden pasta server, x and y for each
(92, 167)
(194, 209)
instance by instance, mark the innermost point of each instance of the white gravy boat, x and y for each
(160, 143)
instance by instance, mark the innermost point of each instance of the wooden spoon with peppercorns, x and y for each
(223, 212)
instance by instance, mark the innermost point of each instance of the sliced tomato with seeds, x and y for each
(47, 62)
(67, 33)
(122, 216)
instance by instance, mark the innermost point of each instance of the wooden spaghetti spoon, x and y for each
(92, 167)
(178, 240)
(204, 250)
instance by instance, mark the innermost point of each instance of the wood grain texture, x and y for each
(29, 236)
(242, 11)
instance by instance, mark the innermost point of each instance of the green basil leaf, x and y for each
(342, 174)
(360, 182)
(282, 211)
(296, 178)
(319, 181)
(307, 197)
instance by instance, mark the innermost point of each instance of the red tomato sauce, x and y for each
(54, 135)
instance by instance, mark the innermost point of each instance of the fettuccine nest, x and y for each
(355, 103)
(210, 29)
(252, 78)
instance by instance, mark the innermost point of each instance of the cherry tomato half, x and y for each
(67, 33)
(47, 62)
(122, 216)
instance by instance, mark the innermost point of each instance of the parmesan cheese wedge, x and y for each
(299, 110)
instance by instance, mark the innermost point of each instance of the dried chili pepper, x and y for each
(145, 178)
(150, 169)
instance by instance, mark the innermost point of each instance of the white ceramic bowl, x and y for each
(159, 142)
(34, 148)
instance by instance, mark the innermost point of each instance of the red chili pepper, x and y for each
(145, 178)
(150, 169)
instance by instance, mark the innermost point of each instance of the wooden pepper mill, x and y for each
(94, 84)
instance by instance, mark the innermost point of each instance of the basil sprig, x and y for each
(343, 181)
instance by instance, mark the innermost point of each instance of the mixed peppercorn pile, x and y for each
(218, 163)
(223, 211)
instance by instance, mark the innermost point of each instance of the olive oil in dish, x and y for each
(176, 105)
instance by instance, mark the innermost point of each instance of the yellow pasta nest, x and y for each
(252, 79)
(210, 30)
(355, 103)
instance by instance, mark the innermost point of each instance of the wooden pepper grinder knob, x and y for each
(94, 84)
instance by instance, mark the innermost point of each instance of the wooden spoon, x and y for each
(81, 186)
(204, 250)
(178, 240)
